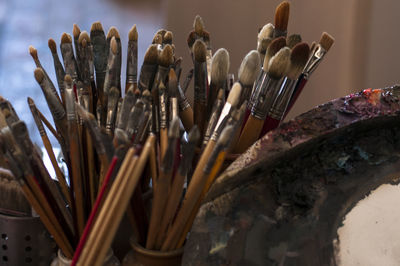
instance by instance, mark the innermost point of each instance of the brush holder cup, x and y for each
(25, 241)
(140, 256)
(61, 260)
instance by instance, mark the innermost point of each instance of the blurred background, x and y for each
(365, 54)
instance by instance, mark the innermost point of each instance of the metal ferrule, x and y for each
(313, 61)
(208, 61)
(161, 76)
(134, 120)
(111, 107)
(118, 63)
(37, 120)
(200, 82)
(174, 108)
(99, 51)
(146, 79)
(99, 110)
(70, 65)
(84, 67)
(110, 79)
(90, 58)
(56, 108)
(95, 133)
(212, 121)
(127, 104)
(266, 97)
(168, 159)
(279, 33)
(182, 100)
(151, 125)
(223, 118)
(256, 88)
(143, 125)
(131, 65)
(162, 96)
(70, 104)
(282, 100)
(156, 118)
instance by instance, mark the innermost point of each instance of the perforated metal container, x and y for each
(25, 241)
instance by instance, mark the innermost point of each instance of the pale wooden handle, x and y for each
(250, 134)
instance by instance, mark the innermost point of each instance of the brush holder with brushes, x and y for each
(25, 241)
(140, 256)
(61, 260)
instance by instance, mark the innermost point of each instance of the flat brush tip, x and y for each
(166, 57)
(198, 24)
(174, 128)
(96, 26)
(39, 74)
(113, 32)
(272, 49)
(84, 36)
(113, 45)
(66, 38)
(168, 36)
(76, 31)
(266, 32)
(249, 68)
(326, 41)
(33, 52)
(234, 94)
(282, 16)
(52, 45)
(263, 45)
(199, 51)
(68, 80)
(151, 55)
(298, 59)
(226, 135)
(133, 33)
(220, 66)
(194, 135)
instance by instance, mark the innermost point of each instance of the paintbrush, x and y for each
(195, 198)
(76, 31)
(200, 85)
(131, 62)
(113, 32)
(100, 54)
(127, 104)
(50, 152)
(8, 113)
(212, 121)
(281, 19)
(292, 40)
(185, 110)
(74, 143)
(33, 53)
(113, 97)
(148, 69)
(248, 72)
(317, 54)
(198, 180)
(58, 67)
(145, 120)
(163, 108)
(167, 38)
(173, 95)
(85, 67)
(67, 52)
(134, 119)
(276, 70)
(298, 59)
(188, 78)
(161, 192)
(272, 49)
(219, 74)
(262, 49)
(236, 120)
(177, 186)
(111, 79)
(266, 32)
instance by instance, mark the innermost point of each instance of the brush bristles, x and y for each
(113, 45)
(225, 137)
(168, 37)
(199, 51)
(166, 57)
(220, 66)
(248, 70)
(298, 59)
(33, 52)
(39, 75)
(113, 96)
(194, 135)
(234, 94)
(282, 16)
(326, 41)
(52, 45)
(83, 36)
(146, 93)
(279, 63)
(96, 26)
(151, 55)
(263, 45)
(85, 115)
(172, 84)
(198, 24)
(66, 38)
(273, 48)
(157, 39)
(76, 31)
(293, 39)
(266, 32)
(174, 128)
(113, 32)
(68, 80)
(161, 32)
(220, 95)
(133, 34)
(30, 101)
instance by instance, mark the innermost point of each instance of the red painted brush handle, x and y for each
(299, 87)
(90, 221)
(269, 124)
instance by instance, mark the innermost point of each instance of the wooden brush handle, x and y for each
(193, 193)
(200, 116)
(250, 134)
(153, 167)
(187, 118)
(163, 141)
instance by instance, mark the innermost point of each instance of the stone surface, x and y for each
(282, 201)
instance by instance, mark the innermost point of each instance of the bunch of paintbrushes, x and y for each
(119, 149)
